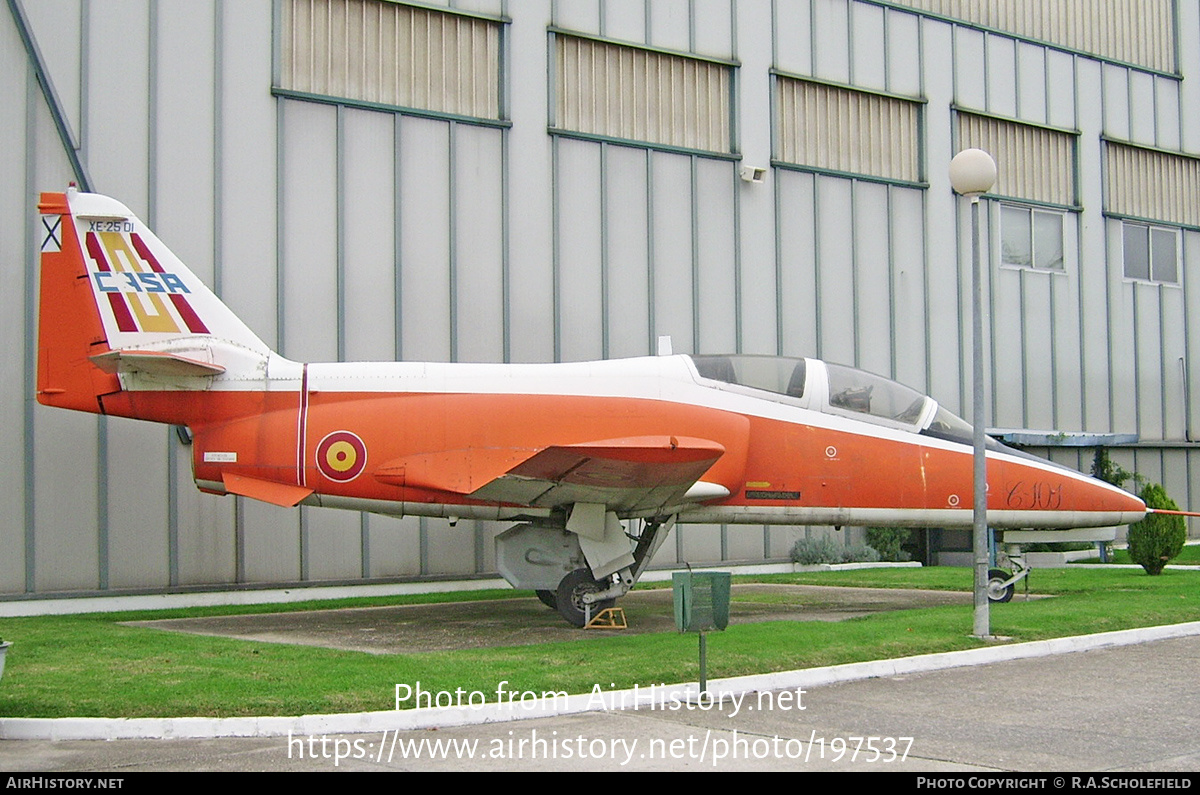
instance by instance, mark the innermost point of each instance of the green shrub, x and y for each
(813, 551)
(1159, 537)
(887, 541)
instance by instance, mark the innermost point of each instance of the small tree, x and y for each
(1157, 538)
(1109, 471)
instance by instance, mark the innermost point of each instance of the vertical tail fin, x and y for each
(119, 311)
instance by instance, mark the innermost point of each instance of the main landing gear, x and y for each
(581, 566)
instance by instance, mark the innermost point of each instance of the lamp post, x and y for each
(973, 173)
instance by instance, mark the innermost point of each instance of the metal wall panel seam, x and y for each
(986, 67)
(280, 227)
(890, 246)
(812, 37)
(604, 253)
(1024, 337)
(152, 156)
(505, 251)
(405, 110)
(397, 240)
(855, 314)
(70, 143)
(276, 43)
(29, 452)
(1187, 352)
(555, 249)
(955, 145)
(695, 253)
(850, 48)
(452, 235)
(919, 99)
(1162, 362)
(218, 143)
(648, 48)
(922, 145)
(84, 80)
(339, 220)
(652, 326)
(305, 542)
(852, 175)
(738, 314)
(816, 221)
(364, 544)
(559, 132)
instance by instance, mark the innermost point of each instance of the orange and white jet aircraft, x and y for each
(570, 451)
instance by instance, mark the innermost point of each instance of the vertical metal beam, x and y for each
(605, 332)
(452, 234)
(397, 238)
(339, 234)
(652, 327)
(32, 262)
(66, 137)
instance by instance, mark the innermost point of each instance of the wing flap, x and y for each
(630, 474)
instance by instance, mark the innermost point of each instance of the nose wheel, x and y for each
(1000, 586)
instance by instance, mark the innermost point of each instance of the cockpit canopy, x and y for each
(835, 389)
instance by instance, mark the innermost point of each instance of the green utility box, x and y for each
(701, 600)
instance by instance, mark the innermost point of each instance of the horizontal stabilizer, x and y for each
(154, 363)
(283, 494)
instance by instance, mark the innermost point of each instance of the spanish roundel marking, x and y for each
(341, 456)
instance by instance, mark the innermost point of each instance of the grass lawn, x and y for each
(1190, 556)
(90, 665)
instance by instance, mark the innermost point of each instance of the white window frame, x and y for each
(1032, 212)
(1152, 231)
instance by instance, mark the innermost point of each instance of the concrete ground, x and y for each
(1114, 708)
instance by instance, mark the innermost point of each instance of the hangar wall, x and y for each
(352, 227)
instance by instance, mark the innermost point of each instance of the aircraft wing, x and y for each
(628, 475)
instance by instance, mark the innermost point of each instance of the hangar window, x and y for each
(1039, 161)
(1142, 33)
(625, 93)
(1031, 237)
(1148, 185)
(845, 131)
(1151, 253)
(390, 56)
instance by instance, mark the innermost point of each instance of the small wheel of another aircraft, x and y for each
(997, 591)
(548, 598)
(569, 597)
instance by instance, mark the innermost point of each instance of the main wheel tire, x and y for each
(548, 598)
(996, 590)
(569, 597)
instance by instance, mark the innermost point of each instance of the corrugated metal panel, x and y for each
(1140, 32)
(839, 129)
(642, 95)
(391, 54)
(1032, 162)
(1150, 184)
